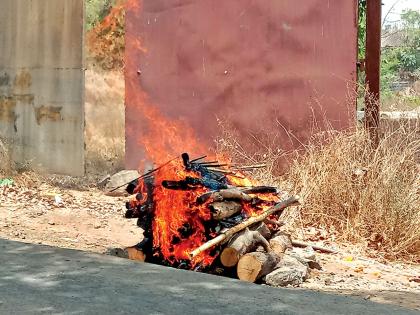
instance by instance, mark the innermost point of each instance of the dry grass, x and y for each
(105, 122)
(362, 193)
(368, 194)
(252, 149)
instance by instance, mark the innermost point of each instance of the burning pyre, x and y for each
(196, 214)
(185, 203)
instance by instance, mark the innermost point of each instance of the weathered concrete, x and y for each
(44, 280)
(42, 83)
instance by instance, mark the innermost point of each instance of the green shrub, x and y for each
(96, 10)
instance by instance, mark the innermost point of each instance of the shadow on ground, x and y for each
(38, 279)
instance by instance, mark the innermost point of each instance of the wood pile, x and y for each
(207, 216)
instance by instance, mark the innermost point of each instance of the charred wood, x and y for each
(259, 190)
(225, 209)
(198, 159)
(232, 231)
(225, 194)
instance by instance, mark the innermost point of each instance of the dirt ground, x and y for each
(45, 211)
(72, 213)
(42, 213)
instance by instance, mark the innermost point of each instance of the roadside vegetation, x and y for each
(360, 193)
(96, 11)
(400, 59)
(105, 25)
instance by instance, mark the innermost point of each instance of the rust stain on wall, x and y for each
(7, 109)
(27, 99)
(51, 113)
(41, 88)
(23, 80)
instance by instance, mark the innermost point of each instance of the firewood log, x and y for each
(315, 247)
(242, 243)
(259, 190)
(234, 193)
(231, 193)
(132, 253)
(280, 242)
(241, 226)
(135, 254)
(221, 210)
(253, 266)
(262, 228)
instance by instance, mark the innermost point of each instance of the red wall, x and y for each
(256, 63)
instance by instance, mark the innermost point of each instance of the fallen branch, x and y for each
(219, 170)
(250, 167)
(259, 190)
(198, 159)
(315, 247)
(241, 226)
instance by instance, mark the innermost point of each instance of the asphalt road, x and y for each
(38, 279)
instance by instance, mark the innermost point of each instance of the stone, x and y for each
(103, 181)
(306, 253)
(305, 256)
(289, 271)
(122, 178)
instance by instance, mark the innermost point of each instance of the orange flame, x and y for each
(174, 209)
(161, 139)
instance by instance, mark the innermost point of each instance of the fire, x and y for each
(176, 210)
(180, 223)
(240, 180)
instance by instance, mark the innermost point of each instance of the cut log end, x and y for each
(241, 226)
(242, 243)
(280, 242)
(135, 254)
(249, 268)
(132, 253)
(253, 266)
(229, 257)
